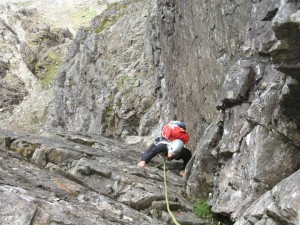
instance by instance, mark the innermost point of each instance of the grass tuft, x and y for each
(203, 210)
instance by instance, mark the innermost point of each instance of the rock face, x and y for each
(12, 88)
(229, 69)
(77, 178)
(106, 85)
(280, 205)
(31, 55)
(254, 142)
(200, 41)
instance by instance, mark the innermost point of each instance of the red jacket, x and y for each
(175, 132)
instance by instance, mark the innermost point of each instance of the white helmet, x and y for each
(175, 146)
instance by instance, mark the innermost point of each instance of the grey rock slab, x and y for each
(185, 218)
(281, 205)
(108, 169)
(39, 196)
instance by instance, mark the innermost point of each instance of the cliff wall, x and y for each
(228, 69)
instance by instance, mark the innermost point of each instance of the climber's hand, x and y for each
(181, 173)
(141, 164)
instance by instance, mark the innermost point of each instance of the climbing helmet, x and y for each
(175, 146)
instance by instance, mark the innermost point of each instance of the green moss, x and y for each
(52, 69)
(26, 150)
(118, 10)
(110, 20)
(107, 22)
(83, 17)
(119, 103)
(108, 110)
(108, 115)
(203, 210)
(110, 6)
(102, 25)
(52, 55)
(125, 80)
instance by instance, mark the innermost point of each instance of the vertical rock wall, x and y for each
(200, 40)
(254, 142)
(106, 85)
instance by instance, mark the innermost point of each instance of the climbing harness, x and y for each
(166, 194)
(161, 141)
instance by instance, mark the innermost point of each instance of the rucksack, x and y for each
(175, 130)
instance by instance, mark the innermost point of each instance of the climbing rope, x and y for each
(166, 194)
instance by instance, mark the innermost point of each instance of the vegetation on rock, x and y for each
(51, 69)
(203, 210)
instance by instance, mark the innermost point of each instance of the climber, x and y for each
(169, 149)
